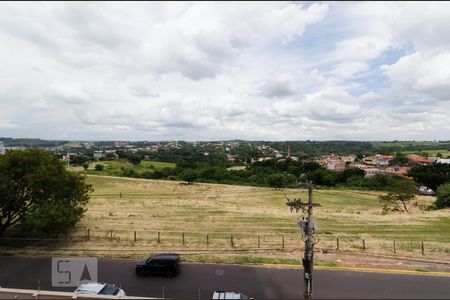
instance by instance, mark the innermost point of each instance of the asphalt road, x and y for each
(256, 282)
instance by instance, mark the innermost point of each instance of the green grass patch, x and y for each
(116, 167)
(326, 263)
(423, 270)
(156, 164)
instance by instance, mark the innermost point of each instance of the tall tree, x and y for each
(34, 185)
(400, 194)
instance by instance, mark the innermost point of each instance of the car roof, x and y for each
(226, 295)
(91, 287)
(166, 256)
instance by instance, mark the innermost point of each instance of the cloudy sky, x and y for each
(214, 71)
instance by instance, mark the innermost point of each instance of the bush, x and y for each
(99, 167)
(277, 180)
(443, 196)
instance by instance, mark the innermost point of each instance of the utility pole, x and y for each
(308, 228)
(309, 247)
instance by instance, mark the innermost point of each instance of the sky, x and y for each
(219, 71)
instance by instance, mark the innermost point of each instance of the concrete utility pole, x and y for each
(308, 229)
(309, 247)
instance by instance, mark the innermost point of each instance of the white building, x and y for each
(98, 154)
(371, 172)
(443, 161)
(2, 149)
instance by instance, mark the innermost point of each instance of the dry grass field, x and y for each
(209, 214)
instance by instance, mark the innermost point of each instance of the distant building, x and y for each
(443, 161)
(398, 171)
(378, 160)
(424, 190)
(2, 149)
(418, 160)
(336, 165)
(350, 158)
(371, 172)
(98, 154)
(231, 158)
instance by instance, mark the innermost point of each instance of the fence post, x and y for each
(164, 292)
(159, 237)
(364, 244)
(110, 235)
(394, 248)
(120, 195)
(88, 234)
(282, 240)
(423, 250)
(231, 241)
(183, 237)
(207, 239)
(135, 238)
(337, 243)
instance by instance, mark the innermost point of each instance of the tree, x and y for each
(135, 159)
(99, 167)
(431, 175)
(38, 192)
(85, 165)
(277, 180)
(189, 176)
(400, 193)
(80, 160)
(443, 196)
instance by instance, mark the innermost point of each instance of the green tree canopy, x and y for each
(431, 175)
(443, 196)
(189, 176)
(277, 180)
(37, 191)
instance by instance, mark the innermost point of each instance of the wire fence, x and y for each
(86, 239)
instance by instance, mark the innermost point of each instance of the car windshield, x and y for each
(109, 290)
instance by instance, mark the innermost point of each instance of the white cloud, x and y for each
(271, 70)
(423, 73)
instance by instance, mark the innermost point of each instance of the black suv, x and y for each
(167, 264)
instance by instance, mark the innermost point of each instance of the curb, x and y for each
(372, 270)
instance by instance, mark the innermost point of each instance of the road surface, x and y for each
(201, 280)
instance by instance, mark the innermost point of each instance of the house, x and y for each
(231, 158)
(371, 172)
(2, 149)
(336, 165)
(378, 160)
(98, 154)
(414, 159)
(349, 158)
(398, 171)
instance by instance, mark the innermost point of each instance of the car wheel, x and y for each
(169, 274)
(142, 273)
